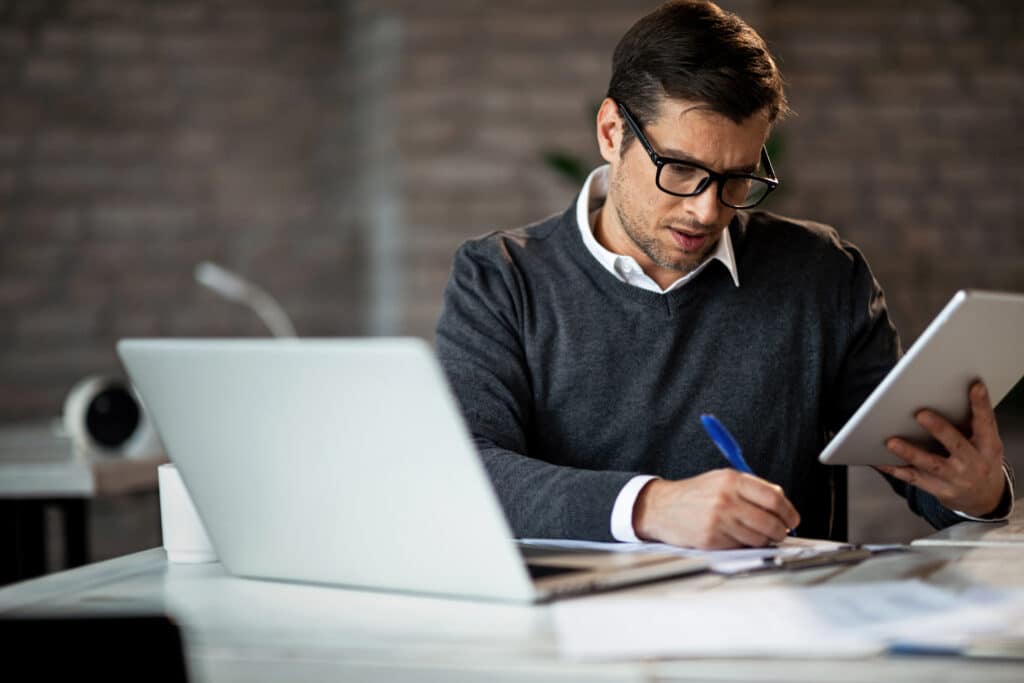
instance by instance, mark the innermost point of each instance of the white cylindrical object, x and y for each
(185, 538)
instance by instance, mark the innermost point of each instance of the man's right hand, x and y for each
(718, 509)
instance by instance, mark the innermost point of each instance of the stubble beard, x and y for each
(649, 244)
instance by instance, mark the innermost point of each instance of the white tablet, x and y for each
(978, 335)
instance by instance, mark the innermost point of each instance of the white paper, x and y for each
(821, 621)
(978, 534)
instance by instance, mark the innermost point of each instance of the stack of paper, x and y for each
(823, 621)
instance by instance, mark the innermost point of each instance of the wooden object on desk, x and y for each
(118, 476)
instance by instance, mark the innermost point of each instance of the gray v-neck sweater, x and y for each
(572, 382)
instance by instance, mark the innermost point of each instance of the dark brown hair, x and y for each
(694, 50)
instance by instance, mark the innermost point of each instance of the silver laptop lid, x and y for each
(332, 461)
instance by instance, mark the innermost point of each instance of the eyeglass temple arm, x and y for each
(635, 127)
(768, 163)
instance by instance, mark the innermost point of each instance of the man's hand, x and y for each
(971, 479)
(717, 509)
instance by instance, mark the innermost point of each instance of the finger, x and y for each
(765, 527)
(721, 541)
(945, 433)
(939, 488)
(947, 468)
(745, 535)
(918, 458)
(984, 430)
(769, 497)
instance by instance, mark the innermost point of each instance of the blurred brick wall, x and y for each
(486, 90)
(907, 138)
(138, 138)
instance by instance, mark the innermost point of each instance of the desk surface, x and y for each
(242, 630)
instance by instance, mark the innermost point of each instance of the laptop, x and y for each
(347, 462)
(975, 336)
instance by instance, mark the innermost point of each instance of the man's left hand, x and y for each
(971, 478)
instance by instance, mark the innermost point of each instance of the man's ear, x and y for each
(609, 130)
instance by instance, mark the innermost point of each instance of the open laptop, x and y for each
(347, 462)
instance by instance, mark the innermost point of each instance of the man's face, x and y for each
(670, 236)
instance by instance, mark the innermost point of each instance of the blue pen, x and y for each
(725, 442)
(728, 446)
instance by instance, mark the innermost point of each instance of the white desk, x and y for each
(244, 630)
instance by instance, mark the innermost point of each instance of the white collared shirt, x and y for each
(627, 270)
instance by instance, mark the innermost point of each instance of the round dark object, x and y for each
(112, 417)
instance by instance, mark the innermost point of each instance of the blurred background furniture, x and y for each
(46, 495)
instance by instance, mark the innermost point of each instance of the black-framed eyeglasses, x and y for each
(688, 179)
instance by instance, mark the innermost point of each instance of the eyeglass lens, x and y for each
(689, 180)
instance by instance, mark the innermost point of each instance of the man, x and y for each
(584, 348)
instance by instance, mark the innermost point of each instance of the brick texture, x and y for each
(139, 138)
(906, 139)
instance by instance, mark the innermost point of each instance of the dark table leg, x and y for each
(23, 546)
(22, 539)
(76, 532)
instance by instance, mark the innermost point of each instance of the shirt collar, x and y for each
(625, 268)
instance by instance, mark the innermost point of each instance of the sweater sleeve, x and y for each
(481, 347)
(872, 351)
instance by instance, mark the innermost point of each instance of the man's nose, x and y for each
(705, 207)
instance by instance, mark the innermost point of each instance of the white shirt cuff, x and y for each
(622, 511)
(1009, 484)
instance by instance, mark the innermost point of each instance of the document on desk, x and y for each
(848, 620)
(719, 561)
(978, 534)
